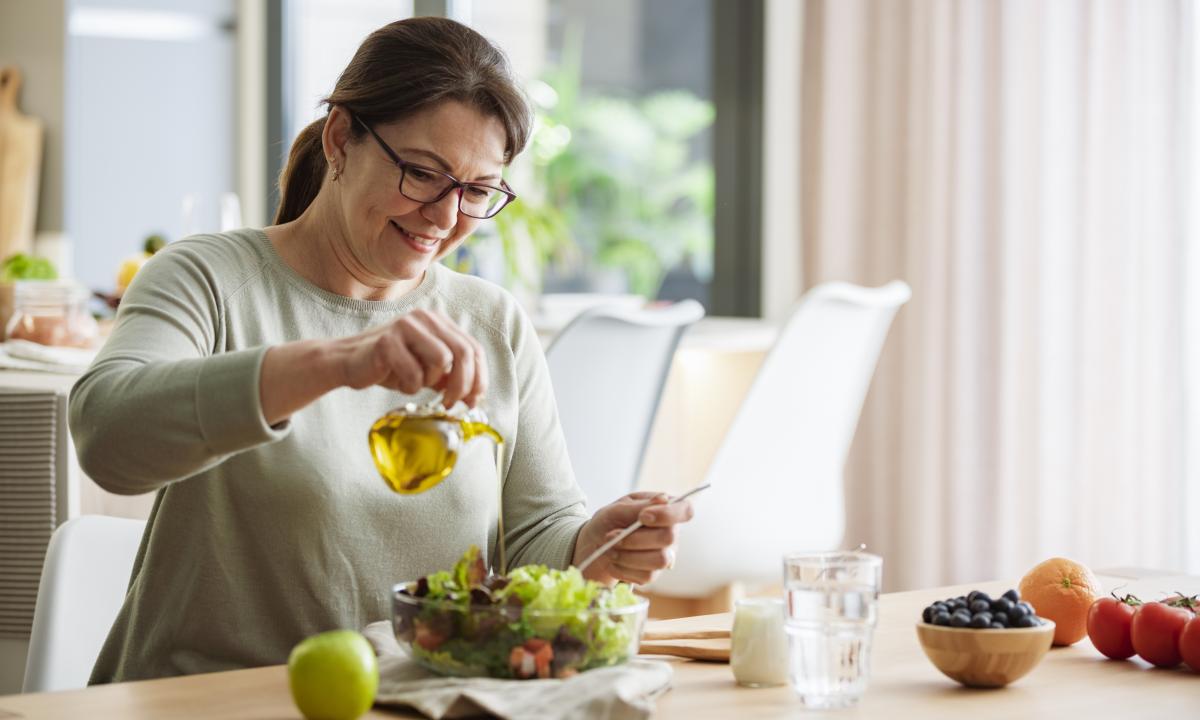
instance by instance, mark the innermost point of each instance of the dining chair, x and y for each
(608, 367)
(777, 475)
(84, 581)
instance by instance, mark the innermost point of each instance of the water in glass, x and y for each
(831, 615)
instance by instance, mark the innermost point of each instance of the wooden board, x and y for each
(20, 168)
(713, 650)
(704, 637)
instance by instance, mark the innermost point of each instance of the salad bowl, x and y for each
(532, 623)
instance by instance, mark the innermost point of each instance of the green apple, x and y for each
(333, 675)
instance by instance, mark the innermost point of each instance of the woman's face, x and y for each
(389, 237)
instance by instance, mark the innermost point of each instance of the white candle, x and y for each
(758, 652)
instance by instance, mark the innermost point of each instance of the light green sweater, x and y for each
(261, 536)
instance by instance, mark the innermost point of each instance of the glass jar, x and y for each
(758, 644)
(51, 312)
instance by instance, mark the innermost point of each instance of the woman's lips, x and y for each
(418, 244)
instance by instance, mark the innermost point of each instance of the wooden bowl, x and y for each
(985, 658)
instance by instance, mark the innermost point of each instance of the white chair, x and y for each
(84, 581)
(608, 367)
(777, 476)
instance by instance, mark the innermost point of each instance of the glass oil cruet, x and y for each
(415, 447)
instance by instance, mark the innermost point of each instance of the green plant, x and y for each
(615, 183)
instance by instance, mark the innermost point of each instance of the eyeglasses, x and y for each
(426, 185)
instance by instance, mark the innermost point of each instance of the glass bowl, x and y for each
(508, 641)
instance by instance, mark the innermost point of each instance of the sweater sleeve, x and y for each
(161, 403)
(545, 504)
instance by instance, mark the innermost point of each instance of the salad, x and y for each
(532, 623)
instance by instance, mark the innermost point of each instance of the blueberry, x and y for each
(1026, 621)
(997, 626)
(985, 615)
(959, 620)
(942, 618)
(927, 614)
(1013, 596)
(1002, 604)
(1001, 618)
(972, 595)
(980, 605)
(982, 620)
(983, 596)
(1018, 611)
(1028, 608)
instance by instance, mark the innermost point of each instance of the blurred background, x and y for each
(1031, 169)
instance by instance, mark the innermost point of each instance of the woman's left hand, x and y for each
(640, 557)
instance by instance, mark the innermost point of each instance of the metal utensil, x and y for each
(632, 529)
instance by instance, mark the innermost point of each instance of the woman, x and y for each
(245, 369)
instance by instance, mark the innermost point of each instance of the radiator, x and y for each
(33, 496)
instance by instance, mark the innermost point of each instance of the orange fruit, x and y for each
(1061, 590)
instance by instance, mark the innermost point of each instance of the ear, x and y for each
(336, 136)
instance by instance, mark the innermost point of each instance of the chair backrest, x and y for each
(84, 581)
(608, 367)
(777, 476)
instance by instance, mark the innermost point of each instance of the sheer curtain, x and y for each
(1030, 168)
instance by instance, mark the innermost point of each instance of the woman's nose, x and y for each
(444, 212)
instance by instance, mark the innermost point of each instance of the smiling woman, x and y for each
(246, 368)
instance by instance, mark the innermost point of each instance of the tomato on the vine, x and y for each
(1187, 602)
(1189, 643)
(1109, 625)
(1156, 631)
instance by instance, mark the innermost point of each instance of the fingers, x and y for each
(666, 515)
(424, 339)
(401, 369)
(648, 539)
(644, 560)
(481, 374)
(640, 566)
(436, 354)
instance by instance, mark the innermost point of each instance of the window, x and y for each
(618, 184)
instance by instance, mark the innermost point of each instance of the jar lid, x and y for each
(48, 292)
(435, 407)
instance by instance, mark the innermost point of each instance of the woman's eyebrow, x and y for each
(444, 166)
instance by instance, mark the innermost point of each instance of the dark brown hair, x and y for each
(402, 69)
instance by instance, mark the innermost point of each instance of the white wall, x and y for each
(150, 120)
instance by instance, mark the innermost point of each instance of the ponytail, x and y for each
(301, 178)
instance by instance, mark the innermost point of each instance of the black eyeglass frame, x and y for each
(455, 183)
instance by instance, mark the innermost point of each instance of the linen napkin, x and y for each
(26, 355)
(623, 692)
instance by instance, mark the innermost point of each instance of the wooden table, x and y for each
(1074, 682)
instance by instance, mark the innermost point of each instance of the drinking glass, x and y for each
(832, 600)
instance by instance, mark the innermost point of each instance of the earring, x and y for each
(336, 173)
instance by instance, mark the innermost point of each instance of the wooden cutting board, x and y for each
(20, 168)
(705, 637)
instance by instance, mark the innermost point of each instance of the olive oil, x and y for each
(415, 448)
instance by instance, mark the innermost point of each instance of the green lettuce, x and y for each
(558, 606)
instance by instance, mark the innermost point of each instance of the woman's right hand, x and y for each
(421, 349)
(418, 350)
